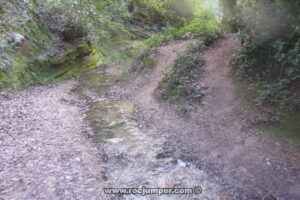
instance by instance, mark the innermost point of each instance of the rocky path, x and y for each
(134, 151)
(46, 152)
(43, 151)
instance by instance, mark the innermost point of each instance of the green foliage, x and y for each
(161, 13)
(38, 71)
(229, 11)
(181, 83)
(19, 18)
(270, 57)
(192, 30)
(183, 109)
(52, 28)
(104, 22)
(144, 60)
(203, 26)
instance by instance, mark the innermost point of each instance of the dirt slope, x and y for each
(216, 137)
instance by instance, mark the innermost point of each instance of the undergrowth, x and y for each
(269, 60)
(52, 28)
(272, 71)
(144, 60)
(181, 84)
(197, 28)
(141, 62)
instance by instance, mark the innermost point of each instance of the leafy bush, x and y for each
(181, 82)
(144, 60)
(270, 57)
(203, 26)
(158, 13)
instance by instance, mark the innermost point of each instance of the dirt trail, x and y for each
(45, 154)
(134, 151)
(216, 137)
(167, 55)
(43, 151)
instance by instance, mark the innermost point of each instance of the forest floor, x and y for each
(46, 151)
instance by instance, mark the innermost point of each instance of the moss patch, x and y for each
(78, 59)
(75, 61)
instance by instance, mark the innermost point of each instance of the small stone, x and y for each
(169, 184)
(16, 38)
(181, 163)
(204, 103)
(78, 159)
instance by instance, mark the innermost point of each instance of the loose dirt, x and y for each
(49, 151)
(216, 137)
(44, 153)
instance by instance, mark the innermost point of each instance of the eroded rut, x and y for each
(49, 152)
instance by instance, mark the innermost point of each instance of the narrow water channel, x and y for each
(132, 150)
